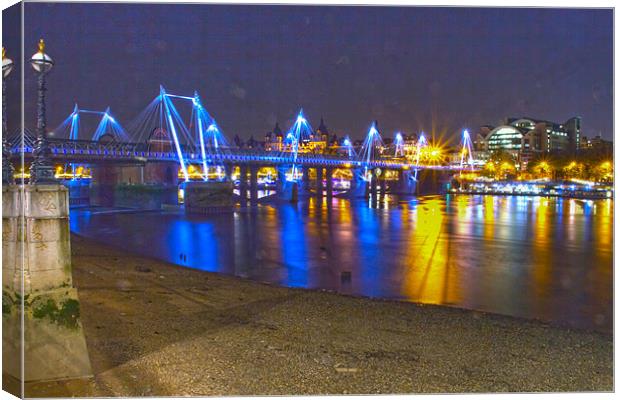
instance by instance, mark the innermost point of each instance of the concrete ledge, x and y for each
(136, 196)
(53, 345)
(208, 197)
(46, 201)
(10, 201)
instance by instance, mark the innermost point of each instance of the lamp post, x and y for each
(7, 167)
(41, 170)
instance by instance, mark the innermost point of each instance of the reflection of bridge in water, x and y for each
(161, 148)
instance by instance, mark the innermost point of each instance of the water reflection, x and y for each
(294, 253)
(543, 258)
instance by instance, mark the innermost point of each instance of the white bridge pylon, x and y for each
(467, 156)
(420, 145)
(108, 125)
(298, 133)
(399, 145)
(201, 136)
(370, 148)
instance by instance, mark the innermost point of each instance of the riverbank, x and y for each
(597, 196)
(562, 189)
(155, 329)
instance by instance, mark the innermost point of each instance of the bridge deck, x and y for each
(139, 153)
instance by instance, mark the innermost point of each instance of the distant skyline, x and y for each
(411, 68)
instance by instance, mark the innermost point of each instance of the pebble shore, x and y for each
(155, 329)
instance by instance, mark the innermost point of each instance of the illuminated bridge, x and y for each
(86, 151)
(162, 147)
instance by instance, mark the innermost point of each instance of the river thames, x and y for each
(540, 258)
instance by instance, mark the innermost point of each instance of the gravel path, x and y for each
(154, 329)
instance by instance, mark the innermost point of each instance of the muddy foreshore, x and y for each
(155, 329)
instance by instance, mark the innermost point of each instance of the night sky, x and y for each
(432, 69)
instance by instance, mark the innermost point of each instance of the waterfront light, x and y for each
(431, 154)
(40, 61)
(7, 64)
(41, 169)
(604, 172)
(7, 167)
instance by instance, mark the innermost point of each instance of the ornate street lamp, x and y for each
(7, 167)
(41, 170)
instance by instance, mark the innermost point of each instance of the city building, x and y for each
(273, 139)
(318, 140)
(252, 143)
(480, 143)
(525, 137)
(549, 137)
(597, 143)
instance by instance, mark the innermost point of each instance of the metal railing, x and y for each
(142, 151)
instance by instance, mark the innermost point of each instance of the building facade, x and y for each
(597, 144)
(526, 137)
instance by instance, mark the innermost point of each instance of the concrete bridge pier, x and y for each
(104, 180)
(303, 184)
(329, 175)
(406, 184)
(432, 181)
(294, 192)
(141, 173)
(166, 173)
(134, 186)
(359, 186)
(228, 171)
(319, 181)
(372, 192)
(382, 185)
(287, 190)
(243, 182)
(203, 197)
(254, 183)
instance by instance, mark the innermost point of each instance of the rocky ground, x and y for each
(154, 329)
